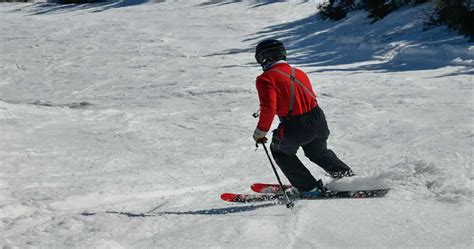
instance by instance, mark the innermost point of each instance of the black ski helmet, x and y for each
(270, 50)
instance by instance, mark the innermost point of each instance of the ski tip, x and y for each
(228, 196)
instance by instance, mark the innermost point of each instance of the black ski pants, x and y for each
(309, 131)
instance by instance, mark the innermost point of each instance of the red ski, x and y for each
(266, 188)
(272, 192)
(358, 194)
(231, 197)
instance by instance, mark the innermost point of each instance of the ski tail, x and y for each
(266, 188)
(230, 197)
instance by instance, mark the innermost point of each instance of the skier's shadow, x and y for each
(212, 211)
(221, 211)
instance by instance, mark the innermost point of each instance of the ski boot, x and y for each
(339, 175)
(294, 193)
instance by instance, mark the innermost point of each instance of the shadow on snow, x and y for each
(212, 211)
(256, 3)
(46, 8)
(393, 44)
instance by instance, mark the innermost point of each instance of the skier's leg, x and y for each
(298, 175)
(284, 153)
(318, 153)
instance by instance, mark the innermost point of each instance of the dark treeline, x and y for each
(457, 14)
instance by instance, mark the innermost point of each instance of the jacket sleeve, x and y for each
(268, 103)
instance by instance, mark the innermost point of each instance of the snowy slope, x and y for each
(146, 108)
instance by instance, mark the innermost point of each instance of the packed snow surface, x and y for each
(122, 123)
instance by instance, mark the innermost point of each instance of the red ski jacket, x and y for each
(274, 92)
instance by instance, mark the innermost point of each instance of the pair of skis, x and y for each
(273, 192)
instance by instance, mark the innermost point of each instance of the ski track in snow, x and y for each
(122, 123)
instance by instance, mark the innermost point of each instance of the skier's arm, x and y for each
(268, 101)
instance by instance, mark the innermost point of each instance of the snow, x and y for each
(121, 124)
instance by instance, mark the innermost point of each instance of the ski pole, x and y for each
(289, 203)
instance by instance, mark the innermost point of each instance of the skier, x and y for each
(287, 92)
